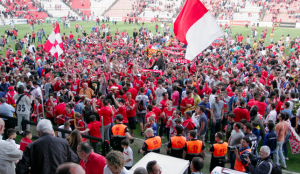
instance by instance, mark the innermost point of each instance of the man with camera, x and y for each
(264, 165)
(241, 154)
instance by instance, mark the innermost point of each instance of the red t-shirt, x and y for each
(106, 113)
(67, 116)
(24, 142)
(94, 128)
(157, 112)
(58, 110)
(137, 84)
(185, 102)
(51, 108)
(33, 34)
(130, 113)
(95, 164)
(168, 113)
(122, 110)
(279, 107)
(163, 104)
(71, 36)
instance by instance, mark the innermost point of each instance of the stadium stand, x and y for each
(82, 6)
(57, 8)
(27, 8)
(122, 8)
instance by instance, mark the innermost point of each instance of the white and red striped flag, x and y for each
(196, 28)
(54, 43)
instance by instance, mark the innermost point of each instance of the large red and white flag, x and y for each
(196, 28)
(54, 43)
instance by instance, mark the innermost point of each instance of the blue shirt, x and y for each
(270, 140)
(7, 110)
(207, 105)
(4, 87)
(79, 107)
(256, 132)
(154, 128)
(288, 111)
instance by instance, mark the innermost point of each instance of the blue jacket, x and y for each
(270, 140)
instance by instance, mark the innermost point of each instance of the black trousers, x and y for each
(8, 124)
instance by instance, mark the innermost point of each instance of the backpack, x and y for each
(84, 123)
(295, 107)
(276, 169)
(141, 105)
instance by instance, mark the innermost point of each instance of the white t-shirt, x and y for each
(128, 154)
(62, 127)
(106, 170)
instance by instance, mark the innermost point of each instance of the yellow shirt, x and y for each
(197, 100)
(271, 35)
(255, 46)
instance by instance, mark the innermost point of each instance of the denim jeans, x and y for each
(232, 159)
(95, 146)
(278, 154)
(214, 128)
(284, 146)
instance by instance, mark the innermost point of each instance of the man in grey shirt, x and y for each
(7, 110)
(235, 139)
(216, 112)
(203, 125)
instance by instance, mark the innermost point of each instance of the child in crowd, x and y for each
(188, 124)
(128, 154)
(171, 122)
(26, 139)
(177, 121)
(12, 134)
(151, 124)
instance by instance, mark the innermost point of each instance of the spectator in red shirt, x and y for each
(240, 111)
(187, 102)
(240, 38)
(91, 162)
(279, 106)
(107, 114)
(58, 110)
(71, 36)
(26, 140)
(94, 130)
(130, 112)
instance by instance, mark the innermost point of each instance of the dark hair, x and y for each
(27, 132)
(10, 132)
(197, 163)
(202, 108)
(189, 113)
(92, 118)
(21, 89)
(244, 121)
(150, 107)
(249, 126)
(271, 125)
(164, 94)
(85, 147)
(150, 166)
(220, 135)
(238, 125)
(287, 104)
(179, 129)
(142, 90)
(125, 142)
(178, 120)
(119, 117)
(193, 133)
(231, 114)
(153, 102)
(61, 99)
(246, 139)
(188, 92)
(273, 105)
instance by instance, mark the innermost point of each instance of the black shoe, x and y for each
(142, 133)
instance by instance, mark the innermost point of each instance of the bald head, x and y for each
(70, 168)
(149, 132)
(85, 85)
(2, 124)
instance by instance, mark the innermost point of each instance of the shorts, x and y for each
(141, 118)
(132, 122)
(1, 44)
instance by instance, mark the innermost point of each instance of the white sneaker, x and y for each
(162, 137)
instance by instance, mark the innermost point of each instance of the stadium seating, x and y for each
(57, 8)
(32, 10)
(120, 9)
(82, 5)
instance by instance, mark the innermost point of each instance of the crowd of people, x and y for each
(232, 95)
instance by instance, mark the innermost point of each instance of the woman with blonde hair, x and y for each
(75, 139)
(115, 163)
